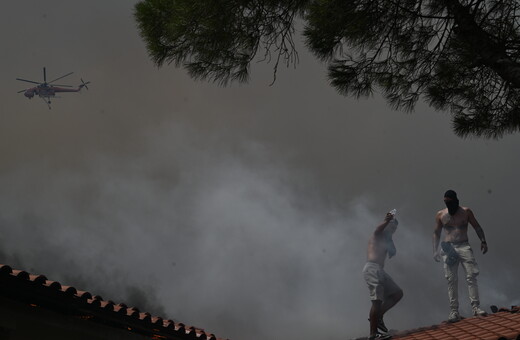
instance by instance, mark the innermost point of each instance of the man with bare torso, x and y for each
(455, 249)
(384, 292)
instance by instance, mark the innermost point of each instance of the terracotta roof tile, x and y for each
(94, 303)
(52, 284)
(5, 269)
(107, 305)
(38, 290)
(38, 279)
(69, 290)
(502, 325)
(83, 294)
(120, 308)
(21, 274)
(157, 320)
(133, 312)
(146, 317)
(169, 324)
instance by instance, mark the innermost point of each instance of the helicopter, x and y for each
(46, 90)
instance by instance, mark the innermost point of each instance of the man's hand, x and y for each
(437, 256)
(484, 247)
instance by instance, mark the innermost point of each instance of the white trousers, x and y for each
(467, 260)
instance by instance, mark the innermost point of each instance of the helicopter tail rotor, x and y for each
(84, 84)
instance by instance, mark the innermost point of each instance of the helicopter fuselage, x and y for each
(47, 91)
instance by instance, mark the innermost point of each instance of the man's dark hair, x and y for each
(450, 194)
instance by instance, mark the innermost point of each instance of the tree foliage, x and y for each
(458, 55)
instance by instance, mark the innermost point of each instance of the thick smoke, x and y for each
(236, 243)
(188, 230)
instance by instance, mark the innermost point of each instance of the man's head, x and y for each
(451, 201)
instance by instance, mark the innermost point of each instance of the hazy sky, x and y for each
(243, 210)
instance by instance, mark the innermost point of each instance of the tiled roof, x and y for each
(37, 290)
(502, 325)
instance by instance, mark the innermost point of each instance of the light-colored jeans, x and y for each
(467, 260)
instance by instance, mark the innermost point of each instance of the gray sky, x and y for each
(242, 210)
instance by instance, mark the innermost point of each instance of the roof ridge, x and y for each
(156, 325)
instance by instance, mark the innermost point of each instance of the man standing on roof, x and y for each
(384, 292)
(455, 249)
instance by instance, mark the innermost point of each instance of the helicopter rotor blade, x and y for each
(68, 74)
(62, 85)
(29, 81)
(21, 91)
(44, 76)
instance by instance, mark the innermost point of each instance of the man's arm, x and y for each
(437, 237)
(478, 229)
(380, 228)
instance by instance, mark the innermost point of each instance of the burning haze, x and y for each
(243, 210)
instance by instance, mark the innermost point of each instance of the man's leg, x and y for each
(394, 295)
(375, 315)
(374, 276)
(450, 272)
(391, 301)
(467, 260)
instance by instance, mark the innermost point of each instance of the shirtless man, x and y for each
(384, 292)
(455, 249)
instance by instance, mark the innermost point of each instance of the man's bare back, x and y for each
(379, 242)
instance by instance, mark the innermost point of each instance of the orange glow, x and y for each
(85, 317)
(158, 337)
